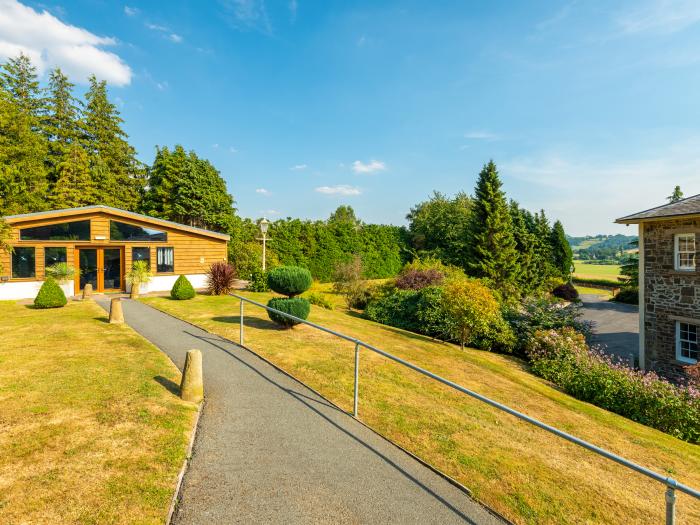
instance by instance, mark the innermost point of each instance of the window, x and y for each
(64, 231)
(121, 231)
(685, 251)
(687, 342)
(23, 263)
(141, 254)
(54, 255)
(165, 260)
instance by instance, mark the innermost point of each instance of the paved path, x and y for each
(615, 325)
(269, 450)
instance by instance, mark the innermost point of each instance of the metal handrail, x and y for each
(671, 484)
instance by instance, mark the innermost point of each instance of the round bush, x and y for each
(296, 306)
(289, 280)
(566, 291)
(182, 289)
(50, 295)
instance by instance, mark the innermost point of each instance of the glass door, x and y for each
(112, 269)
(88, 267)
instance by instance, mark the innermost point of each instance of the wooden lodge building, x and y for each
(102, 243)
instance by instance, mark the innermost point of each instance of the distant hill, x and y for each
(602, 247)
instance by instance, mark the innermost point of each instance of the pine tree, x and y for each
(19, 80)
(562, 256)
(61, 121)
(525, 243)
(74, 186)
(492, 248)
(107, 146)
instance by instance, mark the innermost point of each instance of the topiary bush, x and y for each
(50, 295)
(220, 278)
(182, 289)
(295, 306)
(289, 280)
(566, 291)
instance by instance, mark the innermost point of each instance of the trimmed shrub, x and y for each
(258, 281)
(627, 296)
(50, 295)
(319, 300)
(563, 357)
(220, 278)
(182, 289)
(605, 283)
(566, 291)
(295, 306)
(414, 279)
(289, 280)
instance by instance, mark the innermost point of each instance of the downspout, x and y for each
(642, 309)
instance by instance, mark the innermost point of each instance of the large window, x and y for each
(23, 263)
(141, 254)
(54, 255)
(687, 342)
(121, 231)
(685, 252)
(64, 231)
(165, 260)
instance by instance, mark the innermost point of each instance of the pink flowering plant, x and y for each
(563, 357)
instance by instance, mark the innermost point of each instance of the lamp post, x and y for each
(264, 225)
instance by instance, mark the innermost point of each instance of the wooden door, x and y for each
(102, 267)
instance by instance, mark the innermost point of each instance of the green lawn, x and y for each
(523, 472)
(596, 271)
(89, 431)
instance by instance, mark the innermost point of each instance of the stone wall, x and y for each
(669, 294)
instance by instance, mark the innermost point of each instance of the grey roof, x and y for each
(118, 211)
(684, 207)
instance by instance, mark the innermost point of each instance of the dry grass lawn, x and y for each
(523, 472)
(89, 431)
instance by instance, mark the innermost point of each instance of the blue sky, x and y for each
(590, 109)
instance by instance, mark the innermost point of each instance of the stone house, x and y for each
(669, 285)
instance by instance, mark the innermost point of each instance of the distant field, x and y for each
(596, 271)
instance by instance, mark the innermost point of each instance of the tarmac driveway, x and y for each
(615, 326)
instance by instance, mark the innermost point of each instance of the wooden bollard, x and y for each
(116, 314)
(192, 386)
(87, 291)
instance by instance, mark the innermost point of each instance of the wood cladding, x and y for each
(194, 251)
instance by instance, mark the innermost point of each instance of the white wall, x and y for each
(28, 290)
(164, 283)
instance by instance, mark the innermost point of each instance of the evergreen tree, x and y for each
(18, 79)
(562, 256)
(492, 248)
(61, 121)
(74, 185)
(525, 243)
(344, 215)
(676, 195)
(121, 176)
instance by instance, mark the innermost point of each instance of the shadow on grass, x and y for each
(253, 322)
(170, 386)
(102, 319)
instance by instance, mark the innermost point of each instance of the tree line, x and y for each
(57, 151)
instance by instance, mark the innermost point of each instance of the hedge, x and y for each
(606, 283)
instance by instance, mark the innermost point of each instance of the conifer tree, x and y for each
(18, 79)
(61, 120)
(525, 243)
(74, 185)
(676, 195)
(492, 248)
(107, 146)
(562, 256)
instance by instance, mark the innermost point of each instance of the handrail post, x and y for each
(670, 505)
(240, 339)
(357, 379)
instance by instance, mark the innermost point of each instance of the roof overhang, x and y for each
(638, 220)
(77, 212)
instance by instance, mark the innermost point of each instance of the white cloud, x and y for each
(660, 16)
(162, 86)
(293, 8)
(50, 43)
(480, 135)
(248, 14)
(588, 195)
(269, 213)
(215, 145)
(232, 150)
(371, 167)
(262, 191)
(173, 37)
(131, 11)
(340, 189)
(298, 167)
(156, 27)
